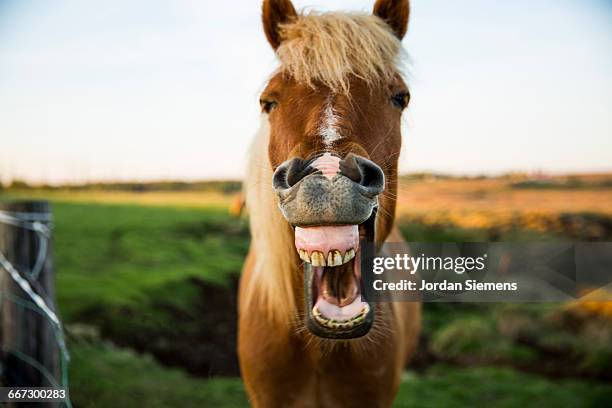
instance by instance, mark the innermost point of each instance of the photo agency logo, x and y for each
(487, 272)
(428, 263)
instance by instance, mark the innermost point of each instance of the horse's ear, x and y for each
(274, 13)
(395, 13)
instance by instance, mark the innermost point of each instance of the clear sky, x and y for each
(151, 89)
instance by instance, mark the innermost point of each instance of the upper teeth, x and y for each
(334, 257)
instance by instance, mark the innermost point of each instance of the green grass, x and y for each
(139, 276)
(544, 338)
(416, 232)
(444, 386)
(104, 376)
(156, 279)
(116, 255)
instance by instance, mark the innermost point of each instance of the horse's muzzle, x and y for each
(332, 204)
(326, 190)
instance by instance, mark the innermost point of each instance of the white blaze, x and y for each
(329, 125)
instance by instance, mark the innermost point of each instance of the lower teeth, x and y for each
(340, 324)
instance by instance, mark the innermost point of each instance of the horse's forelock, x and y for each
(330, 48)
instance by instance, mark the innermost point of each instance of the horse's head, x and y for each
(334, 109)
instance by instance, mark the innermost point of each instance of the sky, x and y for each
(152, 89)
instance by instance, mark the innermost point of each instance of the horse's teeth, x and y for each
(304, 255)
(322, 320)
(317, 258)
(348, 255)
(366, 309)
(338, 257)
(340, 324)
(334, 258)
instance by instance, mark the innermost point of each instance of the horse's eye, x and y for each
(401, 100)
(267, 105)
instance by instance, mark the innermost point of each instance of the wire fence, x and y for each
(30, 299)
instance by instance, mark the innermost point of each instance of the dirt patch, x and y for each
(209, 346)
(193, 326)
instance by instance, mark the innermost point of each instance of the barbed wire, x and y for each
(41, 224)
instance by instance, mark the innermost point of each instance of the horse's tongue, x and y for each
(325, 239)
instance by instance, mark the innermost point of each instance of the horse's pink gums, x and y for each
(325, 239)
(333, 311)
(328, 164)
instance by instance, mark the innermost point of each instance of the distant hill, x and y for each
(224, 186)
(516, 180)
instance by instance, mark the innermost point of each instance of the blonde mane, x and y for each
(276, 270)
(329, 48)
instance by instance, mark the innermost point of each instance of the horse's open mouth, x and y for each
(332, 278)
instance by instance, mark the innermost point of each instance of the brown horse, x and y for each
(322, 178)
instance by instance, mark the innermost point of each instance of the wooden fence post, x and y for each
(27, 337)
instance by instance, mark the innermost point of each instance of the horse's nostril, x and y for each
(364, 172)
(290, 172)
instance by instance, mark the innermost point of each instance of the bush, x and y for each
(466, 338)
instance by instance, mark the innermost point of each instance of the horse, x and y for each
(323, 177)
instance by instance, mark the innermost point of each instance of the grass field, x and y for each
(125, 379)
(146, 287)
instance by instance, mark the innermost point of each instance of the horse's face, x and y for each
(334, 152)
